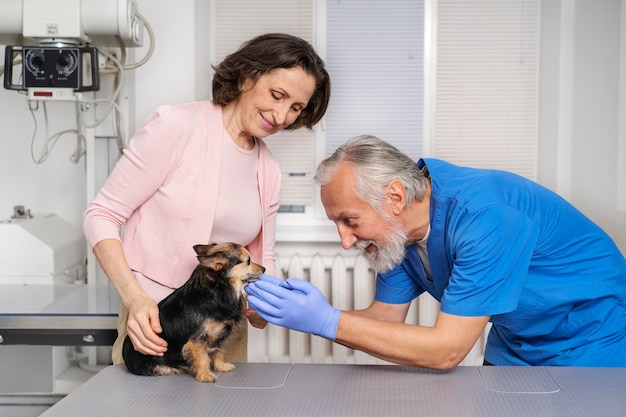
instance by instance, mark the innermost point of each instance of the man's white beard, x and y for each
(387, 256)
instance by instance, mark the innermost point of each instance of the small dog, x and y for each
(198, 317)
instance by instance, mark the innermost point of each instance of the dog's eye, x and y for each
(249, 261)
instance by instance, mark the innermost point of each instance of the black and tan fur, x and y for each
(198, 317)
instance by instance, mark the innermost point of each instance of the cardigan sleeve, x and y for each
(143, 167)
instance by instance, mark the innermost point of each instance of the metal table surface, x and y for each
(258, 389)
(57, 314)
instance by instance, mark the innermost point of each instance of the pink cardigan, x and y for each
(163, 192)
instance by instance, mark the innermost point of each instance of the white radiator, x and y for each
(348, 283)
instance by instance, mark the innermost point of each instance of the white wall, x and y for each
(179, 68)
(174, 74)
(596, 115)
(579, 107)
(579, 59)
(57, 186)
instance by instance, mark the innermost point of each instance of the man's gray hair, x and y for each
(377, 163)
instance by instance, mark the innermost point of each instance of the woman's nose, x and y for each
(281, 113)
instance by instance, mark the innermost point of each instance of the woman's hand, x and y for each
(144, 326)
(254, 319)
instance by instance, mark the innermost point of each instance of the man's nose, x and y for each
(348, 239)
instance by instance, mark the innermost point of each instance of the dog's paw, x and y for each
(205, 376)
(224, 367)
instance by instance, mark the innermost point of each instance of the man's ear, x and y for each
(397, 197)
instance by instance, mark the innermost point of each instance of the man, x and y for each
(491, 246)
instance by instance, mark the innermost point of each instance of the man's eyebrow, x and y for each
(347, 215)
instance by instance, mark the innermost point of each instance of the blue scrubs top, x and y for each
(553, 282)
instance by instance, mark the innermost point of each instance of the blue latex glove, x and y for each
(295, 304)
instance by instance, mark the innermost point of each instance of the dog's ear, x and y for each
(216, 261)
(203, 249)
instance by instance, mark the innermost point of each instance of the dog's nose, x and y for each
(262, 269)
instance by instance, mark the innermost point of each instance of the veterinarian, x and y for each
(201, 173)
(491, 246)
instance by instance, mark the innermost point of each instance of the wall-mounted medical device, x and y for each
(102, 22)
(56, 40)
(45, 68)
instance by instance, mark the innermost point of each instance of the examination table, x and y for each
(260, 389)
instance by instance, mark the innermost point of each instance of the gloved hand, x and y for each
(294, 304)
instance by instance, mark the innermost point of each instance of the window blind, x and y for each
(237, 21)
(375, 60)
(484, 101)
(486, 84)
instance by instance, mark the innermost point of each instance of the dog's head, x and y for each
(231, 259)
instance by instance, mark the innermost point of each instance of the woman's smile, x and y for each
(266, 123)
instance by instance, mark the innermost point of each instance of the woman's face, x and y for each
(274, 102)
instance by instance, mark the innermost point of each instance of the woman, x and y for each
(198, 173)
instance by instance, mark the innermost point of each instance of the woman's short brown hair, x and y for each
(265, 53)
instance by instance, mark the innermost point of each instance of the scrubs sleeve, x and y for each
(396, 287)
(491, 250)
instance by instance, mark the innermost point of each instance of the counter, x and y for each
(57, 314)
